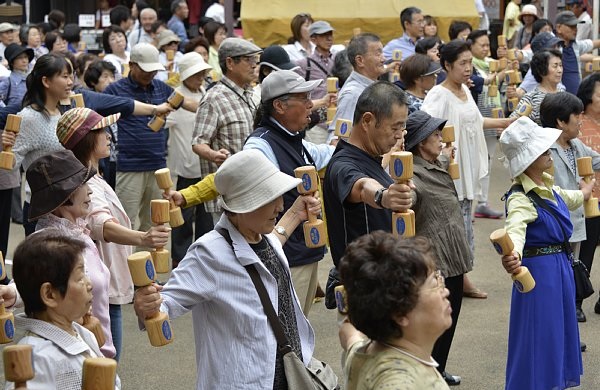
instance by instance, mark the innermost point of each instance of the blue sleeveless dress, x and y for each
(543, 339)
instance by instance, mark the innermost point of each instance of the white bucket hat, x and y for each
(248, 180)
(190, 64)
(146, 56)
(523, 142)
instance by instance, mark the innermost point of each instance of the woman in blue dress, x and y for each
(543, 341)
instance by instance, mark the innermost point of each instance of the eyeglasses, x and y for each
(418, 22)
(303, 99)
(252, 60)
(440, 280)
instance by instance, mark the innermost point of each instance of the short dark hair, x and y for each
(194, 43)
(175, 4)
(406, 15)
(341, 67)
(538, 25)
(379, 99)
(426, 43)
(475, 35)
(456, 27)
(557, 106)
(45, 27)
(382, 276)
(116, 29)
(211, 29)
(81, 62)
(48, 65)
(540, 62)
(587, 88)
(359, 46)
(450, 51)
(72, 33)
(85, 147)
(94, 71)
(156, 25)
(47, 256)
(414, 67)
(296, 26)
(56, 18)
(50, 39)
(119, 14)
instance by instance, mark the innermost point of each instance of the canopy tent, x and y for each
(267, 22)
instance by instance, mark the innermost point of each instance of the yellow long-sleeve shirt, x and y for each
(201, 192)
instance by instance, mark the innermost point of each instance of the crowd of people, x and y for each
(248, 118)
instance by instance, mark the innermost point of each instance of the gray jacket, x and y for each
(566, 178)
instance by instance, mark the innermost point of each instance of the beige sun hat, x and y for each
(190, 64)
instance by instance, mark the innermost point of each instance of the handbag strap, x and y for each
(262, 293)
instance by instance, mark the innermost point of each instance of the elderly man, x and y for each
(180, 11)
(141, 150)
(584, 28)
(224, 118)
(365, 53)
(143, 34)
(413, 24)
(7, 37)
(286, 101)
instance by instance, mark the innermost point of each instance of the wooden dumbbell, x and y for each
(143, 274)
(522, 278)
(502, 63)
(593, 66)
(341, 300)
(401, 170)
(512, 78)
(2, 267)
(511, 54)
(343, 128)
(448, 138)
(497, 112)
(170, 55)
(314, 228)
(18, 364)
(81, 46)
(494, 65)
(397, 55)
(501, 41)
(92, 324)
(163, 179)
(492, 88)
(99, 373)
(7, 319)
(525, 109)
(125, 72)
(159, 209)
(158, 121)
(394, 76)
(7, 157)
(77, 99)
(585, 170)
(332, 87)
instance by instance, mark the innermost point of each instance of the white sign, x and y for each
(87, 20)
(105, 20)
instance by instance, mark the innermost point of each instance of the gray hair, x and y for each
(379, 99)
(359, 45)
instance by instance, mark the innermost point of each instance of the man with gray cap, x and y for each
(584, 28)
(285, 111)
(572, 49)
(141, 150)
(6, 38)
(225, 116)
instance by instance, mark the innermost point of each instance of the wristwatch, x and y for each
(281, 230)
(379, 196)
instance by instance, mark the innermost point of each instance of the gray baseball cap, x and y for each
(567, 18)
(237, 47)
(320, 27)
(283, 82)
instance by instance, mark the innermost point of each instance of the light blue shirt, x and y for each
(235, 346)
(177, 26)
(347, 98)
(529, 84)
(319, 153)
(15, 84)
(403, 43)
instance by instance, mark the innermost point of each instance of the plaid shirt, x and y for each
(223, 121)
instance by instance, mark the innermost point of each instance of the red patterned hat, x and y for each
(74, 124)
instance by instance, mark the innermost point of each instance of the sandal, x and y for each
(475, 293)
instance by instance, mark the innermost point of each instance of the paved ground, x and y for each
(478, 353)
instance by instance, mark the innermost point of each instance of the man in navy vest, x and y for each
(285, 111)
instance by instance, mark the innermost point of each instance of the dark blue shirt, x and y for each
(571, 76)
(140, 149)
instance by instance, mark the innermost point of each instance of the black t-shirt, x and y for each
(348, 221)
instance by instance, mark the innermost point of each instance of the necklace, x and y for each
(430, 363)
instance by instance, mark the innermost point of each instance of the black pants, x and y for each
(183, 236)
(441, 349)
(28, 226)
(5, 212)
(588, 247)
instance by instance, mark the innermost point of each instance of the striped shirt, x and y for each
(223, 121)
(534, 99)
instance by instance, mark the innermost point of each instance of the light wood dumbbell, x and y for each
(314, 228)
(7, 319)
(341, 300)
(502, 41)
(448, 138)
(77, 99)
(493, 87)
(522, 278)
(18, 364)
(164, 182)
(497, 113)
(159, 210)
(93, 324)
(332, 87)
(99, 373)
(7, 157)
(593, 66)
(158, 121)
(343, 128)
(585, 170)
(512, 78)
(143, 274)
(401, 170)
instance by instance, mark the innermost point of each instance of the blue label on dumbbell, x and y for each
(150, 269)
(400, 226)
(398, 167)
(518, 285)
(314, 235)
(1, 267)
(9, 329)
(343, 128)
(498, 248)
(511, 106)
(339, 301)
(306, 182)
(522, 109)
(166, 330)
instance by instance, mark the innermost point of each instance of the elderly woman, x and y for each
(114, 42)
(438, 217)
(452, 100)
(418, 74)
(589, 93)
(60, 199)
(543, 323)
(563, 111)
(397, 299)
(547, 69)
(213, 283)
